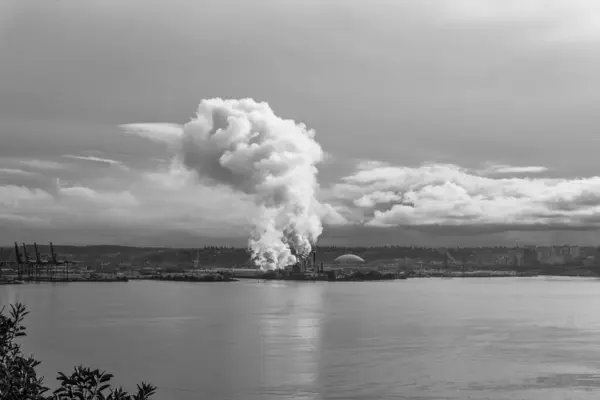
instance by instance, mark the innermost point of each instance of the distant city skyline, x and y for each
(467, 122)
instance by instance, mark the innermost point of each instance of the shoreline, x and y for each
(226, 277)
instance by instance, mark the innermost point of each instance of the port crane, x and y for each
(36, 264)
(38, 258)
(3, 263)
(41, 262)
(25, 264)
(18, 262)
(26, 260)
(56, 261)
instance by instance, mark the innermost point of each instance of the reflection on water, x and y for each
(291, 339)
(532, 339)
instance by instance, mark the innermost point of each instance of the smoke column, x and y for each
(244, 145)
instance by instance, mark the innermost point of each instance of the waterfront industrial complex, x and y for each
(25, 263)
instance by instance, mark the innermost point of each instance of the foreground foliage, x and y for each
(19, 381)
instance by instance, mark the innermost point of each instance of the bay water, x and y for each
(501, 338)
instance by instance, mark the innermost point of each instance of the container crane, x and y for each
(31, 262)
(56, 261)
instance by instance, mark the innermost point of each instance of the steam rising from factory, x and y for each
(244, 145)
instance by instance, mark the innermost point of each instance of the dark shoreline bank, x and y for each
(356, 277)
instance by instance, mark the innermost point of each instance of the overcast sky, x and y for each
(447, 122)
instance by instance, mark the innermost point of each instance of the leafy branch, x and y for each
(19, 381)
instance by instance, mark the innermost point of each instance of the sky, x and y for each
(459, 122)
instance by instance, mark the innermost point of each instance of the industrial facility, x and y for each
(20, 266)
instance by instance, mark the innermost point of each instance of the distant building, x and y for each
(503, 260)
(555, 260)
(148, 271)
(575, 251)
(124, 265)
(543, 254)
(597, 257)
(530, 256)
(587, 252)
(588, 261)
(564, 252)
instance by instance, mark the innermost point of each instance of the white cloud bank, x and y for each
(437, 198)
(208, 189)
(159, 201)
(449, 196)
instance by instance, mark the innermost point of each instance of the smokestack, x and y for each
(315, 260)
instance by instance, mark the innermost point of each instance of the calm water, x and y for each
(507, 338)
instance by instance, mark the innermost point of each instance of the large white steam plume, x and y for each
(244, 145)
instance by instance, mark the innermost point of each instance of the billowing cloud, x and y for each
(438, 196)
(243, 145)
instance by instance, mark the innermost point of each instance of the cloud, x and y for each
(157, 203)
(99, 160)
(122, 201)
(445, 196)
(433, 199)
(15, 171)
(173, 196)
(24, 219)
(42, 164)
(330, 215)
(14, 196)
(67, 204)
(507, 169)
(158, 132)
(151, 198)
(243, 145)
